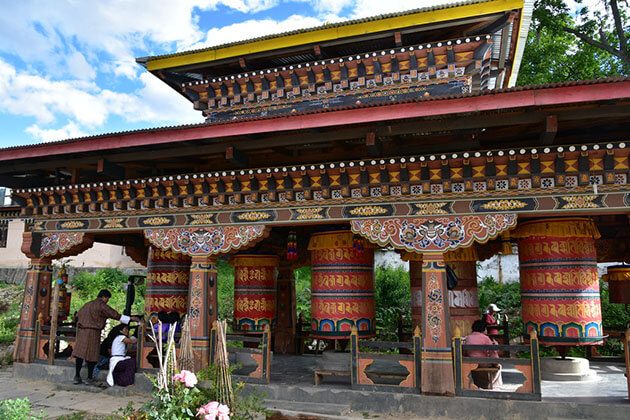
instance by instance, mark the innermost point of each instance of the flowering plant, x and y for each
(186, 377)
(213, 410)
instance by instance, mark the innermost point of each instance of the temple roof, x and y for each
(506, 20)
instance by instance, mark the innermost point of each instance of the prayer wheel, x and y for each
(167, 282)
(342, 286)
(618, 279)
(559, 282)
(254, 291)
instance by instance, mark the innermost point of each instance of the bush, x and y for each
(393, 300)
(225, 291)
(17, 409)
(303, 292)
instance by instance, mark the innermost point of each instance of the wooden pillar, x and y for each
(284, 334)
(35, 305)
(437, 353)
(202, 306)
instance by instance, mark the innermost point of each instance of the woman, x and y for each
(122, 368)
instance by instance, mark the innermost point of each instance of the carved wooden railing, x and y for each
(65, 333)
(360, 362)
(261, 354)
(529, 367)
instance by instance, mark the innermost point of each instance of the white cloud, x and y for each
(68, 131)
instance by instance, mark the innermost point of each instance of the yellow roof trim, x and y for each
(326, 34)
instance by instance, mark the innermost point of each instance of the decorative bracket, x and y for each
(433, 234)
(64, 244)
(211, 240)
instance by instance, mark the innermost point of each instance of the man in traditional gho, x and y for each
(90, 322)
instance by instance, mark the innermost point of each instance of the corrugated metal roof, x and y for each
(375, 105)
(316, 28)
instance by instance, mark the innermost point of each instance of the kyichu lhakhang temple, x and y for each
(319, 147)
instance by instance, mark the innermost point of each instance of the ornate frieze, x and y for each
(207, 240)
(437, 234)
(504, 180)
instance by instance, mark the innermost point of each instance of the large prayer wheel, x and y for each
(254, 291)
(342, 286)
(559, 281)
(167, 282)
(618, 279)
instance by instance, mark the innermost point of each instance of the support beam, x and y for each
(243, 63)
(110, 170)
(317, 50)
(236, 157)
(548, 136)
(398, 38)
(373, 144)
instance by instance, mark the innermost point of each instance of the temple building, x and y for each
(319, 146)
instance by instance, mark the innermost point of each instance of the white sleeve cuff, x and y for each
(124, 319)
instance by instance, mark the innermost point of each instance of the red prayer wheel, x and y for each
(342, 286)
(254, 291)
(618, 279)
(559, 281)
(167, 282)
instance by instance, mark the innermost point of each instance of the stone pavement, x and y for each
(54, 402)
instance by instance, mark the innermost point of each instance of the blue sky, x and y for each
(67, 67)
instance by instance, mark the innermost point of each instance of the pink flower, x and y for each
(186, 377)
(223, 412)
(209, 411)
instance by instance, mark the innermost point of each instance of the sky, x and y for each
(67, 67)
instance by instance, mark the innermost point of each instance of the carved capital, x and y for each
(211, 240)
(433, 234)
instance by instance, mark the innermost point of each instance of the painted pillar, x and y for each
(202, 306)
(167, 282)
(463, 300)
(559, 281)
(437, 354)
(35, 304)
(284, 334)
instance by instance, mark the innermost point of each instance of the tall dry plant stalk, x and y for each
(225, 393)
(186, 356)
(167, 359)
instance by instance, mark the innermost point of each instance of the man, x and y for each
(90, 322)
(487, 375)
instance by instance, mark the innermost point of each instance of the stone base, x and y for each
(569, 369)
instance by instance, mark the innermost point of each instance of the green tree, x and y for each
(393, 300)
(589, 45)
